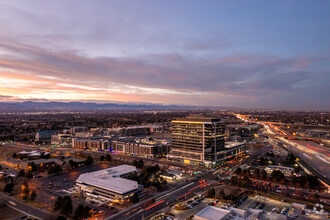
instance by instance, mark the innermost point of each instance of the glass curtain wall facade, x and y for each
(197, 140)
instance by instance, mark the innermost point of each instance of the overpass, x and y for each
(293, 137)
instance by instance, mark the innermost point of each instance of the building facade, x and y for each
(149, 149)
(44, 137)
(197, 140)
(93, 143)
(109, 185)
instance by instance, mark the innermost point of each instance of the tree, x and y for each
(78, 212)
(257, 172)
(29, 175)
(73, 164)
(82, 212)
(135, 198)
(238, 171)
(66, 207)
(277, 175)
(221, 194)
(25, 191)
(211, 192)
(9, 187)
(140, 164)
(21, 173)
(232, 195)
(33, 195)
(32, 166)
(58, 203)
(54, 169)
(108, 158)
(89, 160)
(263, 174)
(234, 181)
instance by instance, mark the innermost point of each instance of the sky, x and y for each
(234, 53)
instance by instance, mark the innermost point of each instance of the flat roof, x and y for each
(229, 144)
(109, 179)
(212, 213)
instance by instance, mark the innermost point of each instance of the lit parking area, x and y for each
(274, 209)
(269, 204)
(192, 207)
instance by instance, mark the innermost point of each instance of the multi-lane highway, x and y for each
(315, 157)
(141, 211)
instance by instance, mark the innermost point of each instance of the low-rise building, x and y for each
(92, 143)
(74, 130)
(234, 149)
(40, 164)
(109, 185)
(44, 137)
(35, 154)
(287, 171)
(142, 147)
(61, 140)
(215, 213)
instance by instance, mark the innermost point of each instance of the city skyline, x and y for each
(252, 54)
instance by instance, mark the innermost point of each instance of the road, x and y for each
(114, 155)
(27, 210)
(314, 156)
(140, 212)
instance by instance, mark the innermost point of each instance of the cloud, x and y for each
(168, 78)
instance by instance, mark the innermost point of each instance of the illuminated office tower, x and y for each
(197, 140)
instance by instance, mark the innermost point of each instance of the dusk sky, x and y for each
(273, 54)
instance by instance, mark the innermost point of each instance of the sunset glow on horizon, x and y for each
(223, 53)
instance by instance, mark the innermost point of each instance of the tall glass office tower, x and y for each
(197, 140)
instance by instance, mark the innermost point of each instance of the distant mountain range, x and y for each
(76, 106)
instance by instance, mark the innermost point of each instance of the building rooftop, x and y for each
(229, 144)
(211, 213)
(46, 132)
(110, 179)
(28, 152)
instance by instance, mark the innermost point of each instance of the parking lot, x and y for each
(191, 208)
(269, 203)
(276, 209)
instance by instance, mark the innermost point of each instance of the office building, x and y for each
(197, 140)
(109, 185)
(44, 137)
(74, 130)
(233, 150)
(61, 140)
